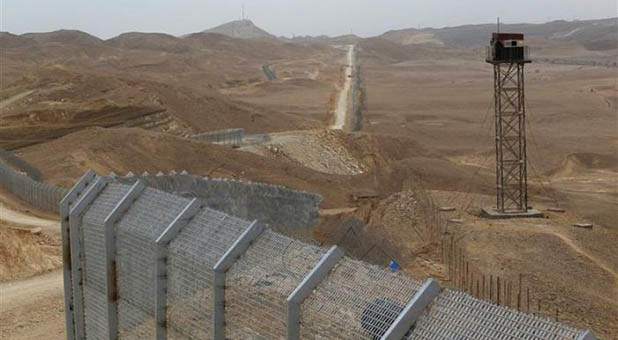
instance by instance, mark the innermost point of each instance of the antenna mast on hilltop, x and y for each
(242, 12)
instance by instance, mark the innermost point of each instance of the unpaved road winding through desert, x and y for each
(11, 100)
(31, 308)
(19, 218)
(342, 101)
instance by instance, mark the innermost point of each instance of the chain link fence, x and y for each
(291, 212)
(167, 267)
(11, 159)
(41, 195)
(233, 136)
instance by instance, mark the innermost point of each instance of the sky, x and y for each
(109, 18)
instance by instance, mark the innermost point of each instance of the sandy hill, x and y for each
(594, 34)
(73, 37)
(129, 149)
(384, 51)
(348, 39)
(149, 41)
(8, 40)
(411, 36)
(244, 29)
(261, 49)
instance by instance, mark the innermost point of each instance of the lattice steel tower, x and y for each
(508, 55)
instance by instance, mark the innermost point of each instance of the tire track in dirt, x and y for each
(584, 253)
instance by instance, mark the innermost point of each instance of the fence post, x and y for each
(110, 255)
(412, 311)
(65, 204)
(161, 252)
(304, 289)
(587, 335)
(75, 221)
(220, 270)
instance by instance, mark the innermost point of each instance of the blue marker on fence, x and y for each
(394, 266)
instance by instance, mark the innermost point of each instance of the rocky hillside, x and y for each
(599, 34)
(244, 29)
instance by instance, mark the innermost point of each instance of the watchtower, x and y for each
(508, 54)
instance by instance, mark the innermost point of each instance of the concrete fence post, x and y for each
(77, 253)
(220, 270)
(111, 286)
(161, 252)
(587, 335)
(65, 204)
(412, 311)
(306, 287)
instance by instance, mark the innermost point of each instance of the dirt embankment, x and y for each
(29, 243)
(24, 254)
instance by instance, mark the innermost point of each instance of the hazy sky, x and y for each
(108, 18)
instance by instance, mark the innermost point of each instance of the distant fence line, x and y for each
(146, 264)
(12, 159)
(227, 136)
(286, 210)
(41, 195)
(270, 74)
(465, 276)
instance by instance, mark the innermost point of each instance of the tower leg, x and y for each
(511, 158)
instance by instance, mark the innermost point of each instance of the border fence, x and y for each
(141, 263)
(286, 210)
(41, 195)
(11, 159)
(226, 137)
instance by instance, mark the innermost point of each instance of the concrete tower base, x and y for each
(492, 213)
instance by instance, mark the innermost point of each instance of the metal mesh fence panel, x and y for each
(136, 233)
(356, 301)
(274, 205)
(41, 195)
(93, 241)
(227, 136)
(17, 162)
(259, 283)
(191, 257)
(456, 315)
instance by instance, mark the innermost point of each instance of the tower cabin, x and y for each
(507, 48)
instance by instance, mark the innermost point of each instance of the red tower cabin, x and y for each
(507, 48)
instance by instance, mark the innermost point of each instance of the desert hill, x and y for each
(9, 40)
(149, 41)
(130, 149)
(61, 82)
(384, 51)
(594, 34)
(65, 37)
(243, 29)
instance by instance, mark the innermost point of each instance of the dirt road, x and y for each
(586, 254)
(9, 101)
(342, 102)
(31, 308)
(24, 292)
(14, 217)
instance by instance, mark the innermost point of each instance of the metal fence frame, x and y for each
(41, 195)
(233, 136)
(136, 210)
